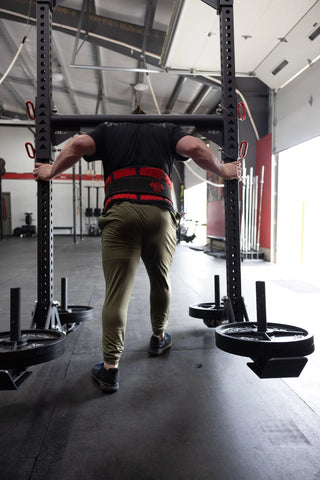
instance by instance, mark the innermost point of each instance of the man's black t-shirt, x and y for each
(120, 145)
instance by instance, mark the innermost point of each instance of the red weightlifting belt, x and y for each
(143, 184)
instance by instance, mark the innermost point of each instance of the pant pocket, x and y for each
(175, 217)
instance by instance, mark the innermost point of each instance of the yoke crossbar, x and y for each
(200, 122)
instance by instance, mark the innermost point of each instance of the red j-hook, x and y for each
(241, 111)
(31, 151)
(31, 110)
(243, 149)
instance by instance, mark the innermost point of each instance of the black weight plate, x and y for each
(77, 314)
(279, 341)
(40, 347)
(207, 311)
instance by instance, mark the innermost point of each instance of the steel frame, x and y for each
(44, 307)
(76, 122)
(50, 126)
(230, 153)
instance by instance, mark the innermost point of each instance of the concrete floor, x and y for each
(196, 413)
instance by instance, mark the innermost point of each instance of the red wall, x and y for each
(215, 222)
(215, 207)
(264, 157)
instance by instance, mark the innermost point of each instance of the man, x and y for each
(138, 221)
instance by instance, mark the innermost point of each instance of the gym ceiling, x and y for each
(110, 55)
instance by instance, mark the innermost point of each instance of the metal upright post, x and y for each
(43, 155)
(1, 216)
(74, 206)
(80, 199)
(230, 153)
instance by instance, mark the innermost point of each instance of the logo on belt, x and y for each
(156, 186)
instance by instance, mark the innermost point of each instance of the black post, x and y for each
(1, 216)
(15, 315)
(261, 307)
(43, 155)
(2, 172)
(64, 294)
(80, 199)
(74, 206)
(217, 291)
(229, 154)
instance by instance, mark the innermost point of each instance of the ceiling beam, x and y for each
(148, 22)
(214, 84)
(88, 8)
(175, 94)
(62, 88)
(66, 78)
(122, 37)
(102, 90)
(199, 98)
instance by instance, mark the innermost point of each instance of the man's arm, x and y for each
(196, 149)
(73, 151)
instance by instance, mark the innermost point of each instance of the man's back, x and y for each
(121, 145)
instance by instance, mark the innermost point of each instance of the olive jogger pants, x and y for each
(129, 232)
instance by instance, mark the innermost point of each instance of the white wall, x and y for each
(24, 192)
(297, 110)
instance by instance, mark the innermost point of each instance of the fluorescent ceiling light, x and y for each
(57, 77)
(118, 69)
(141, 87)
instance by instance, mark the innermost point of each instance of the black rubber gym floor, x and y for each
(196, 413)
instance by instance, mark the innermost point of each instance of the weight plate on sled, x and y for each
(211, 314)
(75, 314)
(279, 340)
(207, 311)
(35, 346)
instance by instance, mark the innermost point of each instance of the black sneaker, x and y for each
(107, 379)
(159, 345)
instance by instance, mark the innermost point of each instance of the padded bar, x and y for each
(202, 122)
